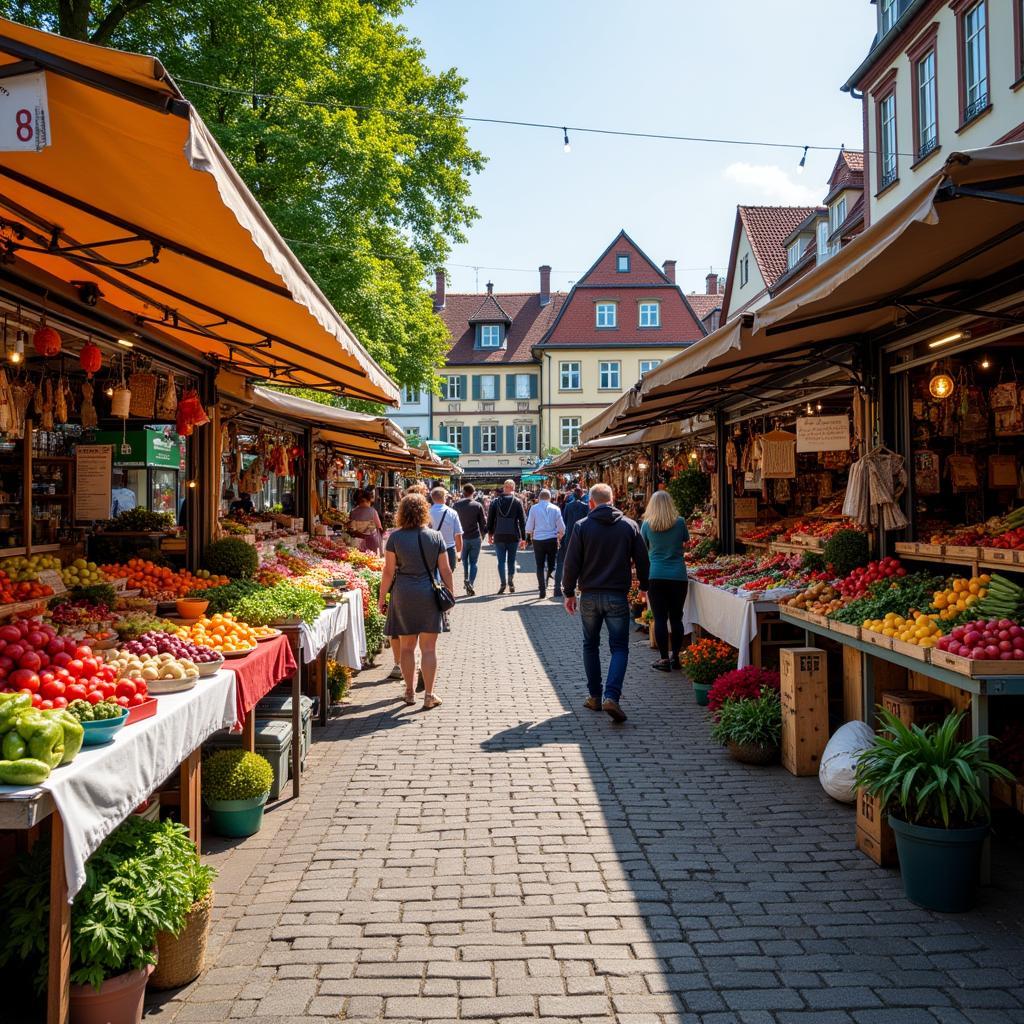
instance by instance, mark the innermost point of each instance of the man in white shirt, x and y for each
(446, 522)
(544, 524)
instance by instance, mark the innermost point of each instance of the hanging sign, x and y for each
(823, 433)
(92, 481)
(24, 114)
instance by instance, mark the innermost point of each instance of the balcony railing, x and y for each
(972, 110)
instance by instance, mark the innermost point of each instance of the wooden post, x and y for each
(249, 731)
(296, 725)
(26, 491)
(189, 781)
(58, 982)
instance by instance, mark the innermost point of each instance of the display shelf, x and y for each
(987, 558)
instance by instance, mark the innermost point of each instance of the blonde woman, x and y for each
(665, 534)
(413, 555)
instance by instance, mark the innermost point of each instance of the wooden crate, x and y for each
(972, 667)
(969, 552)
(916, 707)
(999, 556)
(930, 550)
(869, 636)
(875, 837)
(910, 650)
(906, 547)
(804, 695)
(845, 628)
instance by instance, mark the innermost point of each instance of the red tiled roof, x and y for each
(854, 159)
(767, 228)
(529, 322)
(490, 311)
(702, 303)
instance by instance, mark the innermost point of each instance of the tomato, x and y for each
(107, 689)
(10, 634)
(24, 678)
(136, 700)
(108, 672)
(30, 660)
(76, 691)
(81, 651)
(46, 705)
(76, 668)
(61, 659)
(94, 696)
(55, 646)
(60, 702)
(126, 688)
(123, 701)
(52, 690)
(92, 666)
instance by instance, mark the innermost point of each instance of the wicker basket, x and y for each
(142, 385)
(181, 957)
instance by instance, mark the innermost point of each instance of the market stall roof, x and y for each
(951, 248)
(132, 193)
(612, 445)
(353, 424)
(443, 449)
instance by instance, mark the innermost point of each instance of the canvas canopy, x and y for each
(134, 195)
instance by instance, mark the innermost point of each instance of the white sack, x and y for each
(839, 762)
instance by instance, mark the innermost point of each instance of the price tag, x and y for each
(53, 580)
(24, 113)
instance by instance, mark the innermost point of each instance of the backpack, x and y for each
(506, 520)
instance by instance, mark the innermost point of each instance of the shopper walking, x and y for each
(544, 525)
(602, 551)
(474, 526)
(576, 508)
(506, 530)
(414, 553)
(365, 524)
(665, 534)
(447, 523)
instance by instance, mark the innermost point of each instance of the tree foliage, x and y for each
(330, 113)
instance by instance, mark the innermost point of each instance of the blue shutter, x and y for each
(510, 439)
(533, 385)
(476, 434)
(533, 438)
(497, 439)
(476, 387)
(462, 385)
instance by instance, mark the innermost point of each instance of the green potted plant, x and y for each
(236, 784)
(137, 884)
(932, 785)
(181, 955)
(232, 557)
(703, 662)
(750, 727)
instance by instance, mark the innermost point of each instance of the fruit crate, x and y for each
(930, 550)
(845, 628)
(1000, 556)
(906, 547)
(910, 650)
(969, 552)
(975, 667)
(869, 636)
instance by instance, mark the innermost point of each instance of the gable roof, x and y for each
(527, 322)
(702, 303)
(848, 173)
(603, 272)
(767, 228)
(490, 311)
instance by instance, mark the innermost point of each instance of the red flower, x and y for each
(739, 684)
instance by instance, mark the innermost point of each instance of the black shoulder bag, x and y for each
(442, 595)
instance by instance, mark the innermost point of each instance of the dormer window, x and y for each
(622, 262)
(489, 335)
(822, 240)
(795, 252)
(606, 314)
(888, 12)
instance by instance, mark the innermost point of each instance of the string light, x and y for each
(803, 162)
(986, 363)
(566, 148)
(17, 354)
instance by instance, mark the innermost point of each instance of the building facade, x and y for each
(940, 77)
(413, 413)
(623, 318)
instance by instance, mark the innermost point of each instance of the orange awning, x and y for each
(135, 195)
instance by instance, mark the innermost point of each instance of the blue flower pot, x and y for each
(940, 866)
(700, 692)
(237, 817)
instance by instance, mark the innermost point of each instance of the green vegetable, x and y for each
(236, 775)
(225, 598)
(281, 601)
(750, 720)
(899, 595)
(845, 550)
(26, 771)
(689, 489)
(74, 734)
(141, 519)
(232, 557)
(1004, 600)
(86, 712)
(11, 706)
(45, 738)
(97, 593)
(14, 748)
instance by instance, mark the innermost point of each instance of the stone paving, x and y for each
(513, 856)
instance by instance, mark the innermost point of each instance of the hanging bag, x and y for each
(442, 595)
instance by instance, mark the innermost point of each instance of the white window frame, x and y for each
(744, 270)
(568, 370)
(453, 436)
(793, 253)
(411, 394)
(569, 431)
(606, 315)
(926, 97)
(650, 320)
(822, 240)
(609, 370)
(521, 387)
(490, 335)
(489, 439)
(888, 13)
(491, 382)
(620, 259)
(975, 58)
(646, 365)
(451, 388)
(887, 137)
(524, 438)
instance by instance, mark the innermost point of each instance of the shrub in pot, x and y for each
(932, 786)
(703, 662)
(750, 727)
(236, 784)
(181, 955)
(232, 557)
(739, 684)
(137, 884)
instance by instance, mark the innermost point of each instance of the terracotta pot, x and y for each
(118, 1001)
(753, 753)
(181, 957)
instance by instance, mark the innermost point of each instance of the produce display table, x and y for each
(256, 675)
(325, 633)
(734, 618)
(91, 796)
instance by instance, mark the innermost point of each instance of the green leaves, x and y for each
(756, 720)
(281, 601)
(929, 776)
(236, 775)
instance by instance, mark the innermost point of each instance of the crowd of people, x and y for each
(586, 547)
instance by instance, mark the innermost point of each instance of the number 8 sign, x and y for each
(24, 113)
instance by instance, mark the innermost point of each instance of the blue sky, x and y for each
(745, 69)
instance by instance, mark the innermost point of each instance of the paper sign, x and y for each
(92, 481)
(823, 433)
(53, 580)
(24, 114)
(746, 508)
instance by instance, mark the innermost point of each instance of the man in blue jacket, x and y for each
(575, 508)
(602, 550)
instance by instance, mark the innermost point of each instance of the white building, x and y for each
(413, 412)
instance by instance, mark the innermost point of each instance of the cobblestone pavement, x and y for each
(512, 855)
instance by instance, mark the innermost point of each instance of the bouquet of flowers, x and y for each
(707, 659)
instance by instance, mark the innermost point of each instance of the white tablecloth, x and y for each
(351, 651)
(104, 784)
(341, 630)
(329, 625)
(730, 617)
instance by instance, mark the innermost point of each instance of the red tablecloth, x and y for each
(258, 673)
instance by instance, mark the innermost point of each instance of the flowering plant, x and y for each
(707, 659)
(740, 684)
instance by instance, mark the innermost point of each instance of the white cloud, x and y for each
(771, 183)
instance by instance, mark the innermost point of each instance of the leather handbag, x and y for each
(442, 595)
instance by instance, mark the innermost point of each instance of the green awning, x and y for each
(443, 449)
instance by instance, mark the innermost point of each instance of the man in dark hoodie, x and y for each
(602, 549)
(575, 508)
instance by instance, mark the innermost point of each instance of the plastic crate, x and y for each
(273, 741)
(277, 705)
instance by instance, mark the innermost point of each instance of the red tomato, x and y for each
(92, 666)
(61, 659)
(94, 696)
(30, 660)
(135, 701)
(107, 689)
(52, 690)
(46, 705)
(60, 702)
(37, 701)
(126, 688)
(123, 701)
(76, 668)
(81, 651)
(70, 646)
(10, 634)
(63, 675)
(24, 679)
(76, 691)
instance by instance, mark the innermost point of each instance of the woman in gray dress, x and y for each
(412, 556)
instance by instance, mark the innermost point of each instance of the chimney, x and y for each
(545, 285)
(439, 282)
(712, 284)
(490, 287)
(669, 269)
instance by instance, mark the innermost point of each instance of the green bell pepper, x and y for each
(11, 706)
(13, 748)
(28, 771)
(45, 737)
(74, 734)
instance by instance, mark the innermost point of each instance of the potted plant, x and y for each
(232, 557)
(704, 661)
(932, 786)
(137, 884)
(236, 784)
(750, 727)
(181, 955)
(738, 684)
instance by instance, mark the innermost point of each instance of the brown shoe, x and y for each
(592, 703)
(431, 702)
(614, 712)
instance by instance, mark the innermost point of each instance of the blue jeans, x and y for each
(560, 564)
(506, 552)
(470, 557)
(612, 609)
